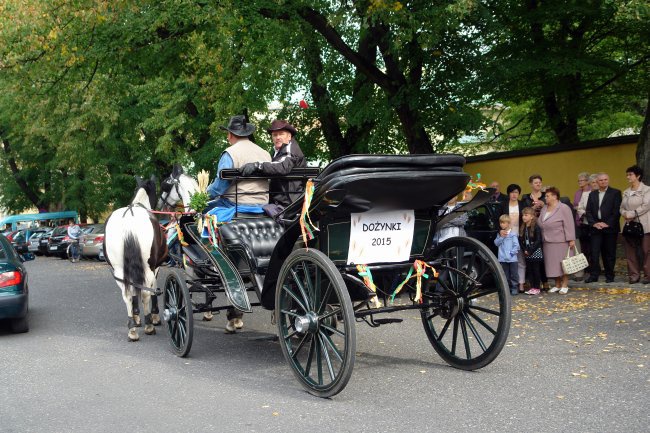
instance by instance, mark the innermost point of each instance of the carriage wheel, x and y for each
(315, 322)
(468, 318)
(178, 314)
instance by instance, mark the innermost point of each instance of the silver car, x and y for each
(92, 240)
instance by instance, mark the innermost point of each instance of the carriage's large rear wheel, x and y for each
(315, 322)
(468, 318)
(178, 314)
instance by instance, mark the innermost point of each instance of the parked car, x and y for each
(20, 241)
(34, 240)
(92, 240)
(59, 241)
(14, 288)
(55, 244)
(43, 241)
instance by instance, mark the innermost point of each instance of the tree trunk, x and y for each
(643, 145)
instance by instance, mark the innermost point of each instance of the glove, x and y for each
(249, 168)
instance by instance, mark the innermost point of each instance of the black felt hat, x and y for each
(239, 127)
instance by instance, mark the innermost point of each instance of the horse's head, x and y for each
(170, 193)
(149, 187)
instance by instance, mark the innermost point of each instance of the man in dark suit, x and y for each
(603, 213)
(497, 196)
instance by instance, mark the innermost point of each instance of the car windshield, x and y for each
(60, 230)
(3, 252)
(36, 235)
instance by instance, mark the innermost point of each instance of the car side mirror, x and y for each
(26, 257)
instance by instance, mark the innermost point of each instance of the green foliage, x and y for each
(96, 91)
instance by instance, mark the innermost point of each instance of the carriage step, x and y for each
(387, 320)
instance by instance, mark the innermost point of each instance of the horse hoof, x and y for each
(133, 335)
(137, 320)
(149, 330)
(207, 316)
(155, 319)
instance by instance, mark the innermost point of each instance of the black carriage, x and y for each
(318, 268)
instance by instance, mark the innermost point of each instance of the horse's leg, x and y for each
(128, 300)
(146, 302)
(135, 305)
(155, 313)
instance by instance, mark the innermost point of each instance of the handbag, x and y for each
(633, 229)
(536, 256)
(571, 265)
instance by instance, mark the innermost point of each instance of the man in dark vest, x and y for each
(287, 155)
(603, 214)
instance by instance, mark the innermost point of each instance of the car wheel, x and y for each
(18, 326)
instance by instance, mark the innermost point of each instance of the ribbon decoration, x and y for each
(420, 271)
(179, 233)
(364, 272)
(475, 185)
(213, 230)
(307, 227)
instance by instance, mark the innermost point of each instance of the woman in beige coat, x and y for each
(636, 203)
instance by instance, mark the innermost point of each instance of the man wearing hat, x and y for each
(287, 155)
(251, 194)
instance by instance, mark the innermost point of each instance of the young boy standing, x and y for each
(508, 244)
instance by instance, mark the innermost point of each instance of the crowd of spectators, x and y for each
(541, 228)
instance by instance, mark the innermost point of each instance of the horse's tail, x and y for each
(133, 263)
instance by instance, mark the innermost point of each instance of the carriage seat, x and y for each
(255, 238)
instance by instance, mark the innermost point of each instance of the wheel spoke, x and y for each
(435, 313)
(328, 314)
(455, 336)
(301, 288)
(311, 287)
(295, 298)
(471, 327)
(482, 322)
(331, 345)
(297, 350)
(319, 361)
(326, 355)
(323, 301)
(485, 310)
(333, 330)
(444, 329)
(310, 356)
(482, 293)
(463, 329)
(290, 313)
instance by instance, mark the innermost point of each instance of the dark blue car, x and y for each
(14, 292)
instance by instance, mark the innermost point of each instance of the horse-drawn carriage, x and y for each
(357, 246)
(317, 266)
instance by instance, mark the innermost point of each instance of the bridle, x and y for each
(165, 189)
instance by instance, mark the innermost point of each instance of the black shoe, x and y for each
(609, 280)
(634, 281)
(514, 292)
(591, 280)
(646, 281)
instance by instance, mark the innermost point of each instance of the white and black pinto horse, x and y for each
(177, 188)
(134, 246)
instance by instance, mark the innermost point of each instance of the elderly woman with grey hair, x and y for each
(581, 218)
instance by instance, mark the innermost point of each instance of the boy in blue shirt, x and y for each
(508, 244)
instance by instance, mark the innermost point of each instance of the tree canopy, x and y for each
(97, 91)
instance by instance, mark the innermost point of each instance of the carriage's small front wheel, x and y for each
(177, 314)
(468, 315)
(315, 322)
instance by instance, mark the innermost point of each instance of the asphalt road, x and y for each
(574, 363)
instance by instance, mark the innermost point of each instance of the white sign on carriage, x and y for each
(380, 237)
